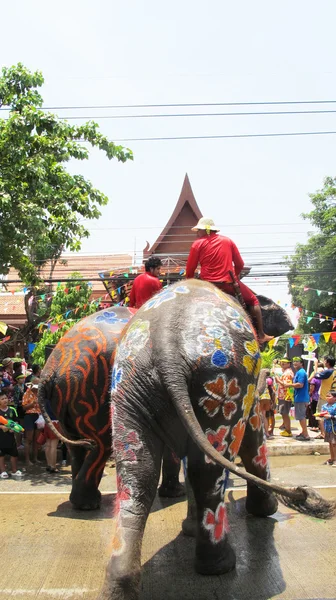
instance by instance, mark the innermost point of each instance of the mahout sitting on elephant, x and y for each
(185, 375)
(75, 385)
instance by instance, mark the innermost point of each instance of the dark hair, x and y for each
(17, 366)
(35, 368)
(330, 360)
(320, 364)
(152, 263)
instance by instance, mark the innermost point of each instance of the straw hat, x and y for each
(206, 224)
(6, 362)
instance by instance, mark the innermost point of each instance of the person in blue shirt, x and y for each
(301, 397)
(330, 426)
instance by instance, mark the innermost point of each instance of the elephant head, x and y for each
(275, 319)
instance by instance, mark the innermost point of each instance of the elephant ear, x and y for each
(275, 319)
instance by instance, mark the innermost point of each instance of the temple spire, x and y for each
(176, 237)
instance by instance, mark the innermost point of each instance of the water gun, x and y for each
(11, 425)
(322, 414)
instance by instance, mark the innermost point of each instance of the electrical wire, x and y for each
(186, 104)
(183, 115)
(218, 137)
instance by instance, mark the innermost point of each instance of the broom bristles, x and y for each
(308, 501)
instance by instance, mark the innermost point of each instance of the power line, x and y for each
(217, 137)
(186, 104)
(179, 115)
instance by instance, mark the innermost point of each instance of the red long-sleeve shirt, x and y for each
(217, 255)
(143, 288)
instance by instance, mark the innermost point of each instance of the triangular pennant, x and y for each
(309, 319)
(327, 335)
(333, 337)
(316, 337)
(318, 292)
(305, 289)
(291, 342)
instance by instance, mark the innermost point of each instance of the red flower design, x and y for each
(229, 408)
(237, 436)
(123, 495)
(216, 523)
(217, 439)
(233, 388)
(261, 458)
(125, 444)
(255, 420)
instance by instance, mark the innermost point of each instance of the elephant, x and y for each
(185, 375)
(75, 385)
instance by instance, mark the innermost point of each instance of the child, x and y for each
(7, 440)
(330, 426)
(266, 405)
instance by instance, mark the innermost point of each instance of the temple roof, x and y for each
(176, 237)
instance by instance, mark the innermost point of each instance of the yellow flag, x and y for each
(3, 328)
(271, 343)
(327, 336)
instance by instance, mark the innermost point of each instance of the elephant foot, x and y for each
(260, 503)
(85, 498)
(189, 527)
(216, 561)
(169, 491)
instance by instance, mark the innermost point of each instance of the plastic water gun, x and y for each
(11, 425)
(322, 414)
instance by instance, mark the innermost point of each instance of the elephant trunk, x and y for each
(42, 397)
(302, 498)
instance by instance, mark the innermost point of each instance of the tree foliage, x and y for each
(69, 304)
(314, 263)
(41, 203)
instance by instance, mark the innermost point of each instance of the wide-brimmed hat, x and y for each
(6, 362)
(206, 224)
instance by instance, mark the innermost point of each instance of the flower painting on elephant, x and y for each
(192, 365)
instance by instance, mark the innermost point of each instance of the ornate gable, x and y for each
(176, 238)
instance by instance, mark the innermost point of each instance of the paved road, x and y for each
(49, 551)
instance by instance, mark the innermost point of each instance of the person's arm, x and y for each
(324, 374)
(237, 259)
(192, 261)
(299, 384)
(132, 297)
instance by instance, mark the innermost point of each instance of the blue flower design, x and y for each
(219, 358)
(116, 378)
(109, 317)
(165, 296)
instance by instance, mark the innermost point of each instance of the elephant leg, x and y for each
(189, 525)
(138, 454)
(214, 554)
(87, 470)
(171, 465)
(253, 452)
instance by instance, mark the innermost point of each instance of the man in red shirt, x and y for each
(218, 255)
(147, 284)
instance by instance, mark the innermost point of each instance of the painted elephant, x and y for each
(75, 384)
(185, 375)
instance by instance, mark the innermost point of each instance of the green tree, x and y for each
(42, 205)
(69, 304)
(314, 263)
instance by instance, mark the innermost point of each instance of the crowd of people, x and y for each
(19, 404)
(310, 398)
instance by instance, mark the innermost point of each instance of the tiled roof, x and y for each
(88, 265)
(12, 309)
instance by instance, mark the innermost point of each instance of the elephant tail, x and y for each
(42, 397)
(302, 498)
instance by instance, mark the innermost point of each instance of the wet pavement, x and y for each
(48, 550)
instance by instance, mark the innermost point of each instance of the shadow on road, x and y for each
(170, 572)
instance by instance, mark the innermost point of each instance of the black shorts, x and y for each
(29, 421)
(9, 451)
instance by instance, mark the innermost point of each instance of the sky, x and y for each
(148, 52)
